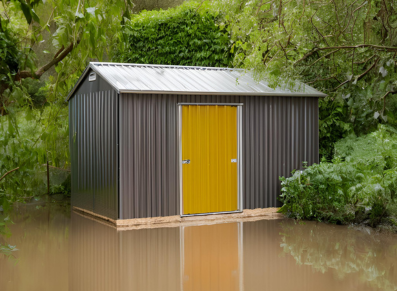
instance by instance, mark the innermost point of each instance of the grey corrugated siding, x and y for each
(93, 130)
(279, 133)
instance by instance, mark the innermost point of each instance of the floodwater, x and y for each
(59, 250)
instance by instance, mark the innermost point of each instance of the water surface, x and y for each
(59, 250)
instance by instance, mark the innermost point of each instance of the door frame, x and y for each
(239, 156)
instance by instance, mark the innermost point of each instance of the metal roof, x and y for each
(166, 79)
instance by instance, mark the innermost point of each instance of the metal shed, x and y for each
(156, 140)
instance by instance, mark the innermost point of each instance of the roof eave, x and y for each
(319, 95)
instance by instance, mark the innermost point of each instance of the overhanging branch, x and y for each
(59, 56)
(9, 172)
(386, 48)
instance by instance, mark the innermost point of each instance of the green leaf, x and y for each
(26, 11)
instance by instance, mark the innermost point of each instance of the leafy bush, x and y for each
(360, 183)
(64, 188)
(185, 35)
(332, 126)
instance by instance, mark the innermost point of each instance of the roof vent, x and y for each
(92, 77)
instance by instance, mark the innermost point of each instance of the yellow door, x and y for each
(209, 158)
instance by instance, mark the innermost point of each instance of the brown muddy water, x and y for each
(60, 250)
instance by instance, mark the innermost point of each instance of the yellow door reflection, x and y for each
(211, 257)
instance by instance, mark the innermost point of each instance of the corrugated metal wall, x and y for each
(93, 126)
(279, 133)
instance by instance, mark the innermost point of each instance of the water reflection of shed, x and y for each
(152, 140)
(206, 257)
(230, 256)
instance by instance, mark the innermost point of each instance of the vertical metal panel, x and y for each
(279, 133)
(94, 150)
(148, 156)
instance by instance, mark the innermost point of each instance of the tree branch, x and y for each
(318, 80)
(9, 172)
(359, 77)
(341, 84)
(387, 48)
(365, 61)
(324, 56)
(59, 56)
(384, 99)
(62, 169)
(260, 5)
(369, 69)
(311, 20)
(59, 51)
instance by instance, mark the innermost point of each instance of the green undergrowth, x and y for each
(359, 185)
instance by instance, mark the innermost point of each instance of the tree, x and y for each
(83, 30)
(346, 49)
(79, 31)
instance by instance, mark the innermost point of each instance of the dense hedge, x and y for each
(185, 35)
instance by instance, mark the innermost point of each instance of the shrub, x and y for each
(359, 184)
(185, 35)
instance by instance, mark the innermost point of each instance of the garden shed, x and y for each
(157, 140)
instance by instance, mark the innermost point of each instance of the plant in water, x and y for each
(360, 184)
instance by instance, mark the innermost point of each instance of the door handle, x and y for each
(185, 161)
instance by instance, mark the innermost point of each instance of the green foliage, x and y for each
(5, 249)
(186, 35)
(347, 49)
(36, 90)
(64, 188)
(360, 183)
(332, 126)
(32, 134)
